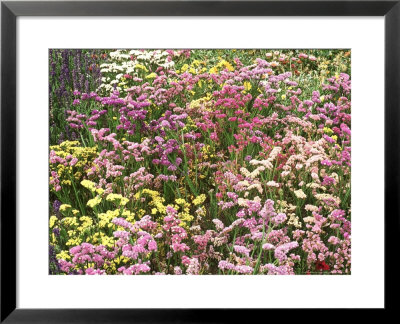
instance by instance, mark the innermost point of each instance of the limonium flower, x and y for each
(300, 194)
(63, 255)
(225, 265)
(282, 250)
(241, 249)
(244, 269)
(199, 199)
(279, 218)
(247, 86)
(65, 207)
(151, 76)
(94, 202)
(268, 246)
(117, 197)
(52, 221)
(89, 185)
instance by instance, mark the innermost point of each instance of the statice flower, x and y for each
(194, 267)
(279, 218)
(225, 265)
(244, 269)
(268, 246)
(241, 249)
(282, 250)
(56, 205)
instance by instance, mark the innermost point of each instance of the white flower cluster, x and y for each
(267, 164)
(123, 62)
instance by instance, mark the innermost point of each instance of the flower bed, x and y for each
(200, 162)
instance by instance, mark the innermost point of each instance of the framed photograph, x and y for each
(162, 159)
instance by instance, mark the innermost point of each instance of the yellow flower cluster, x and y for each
(208, 151)
(92, 186)
(129, 216)
(157, 201)
(222, 64)
(74, 241)
(193, 69)
(52, 221)
(141, 67)
(106, 218)
(85, 156)
(151, 76)
(94, 202)
(195, 104)
(78, 230)
(70, 222)
(119, 199)
(64, 255)
(247, 86)
(65, 207)
(199, 199)
(184, 214)
(86, 223)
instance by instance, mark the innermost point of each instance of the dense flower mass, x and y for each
(200, 162)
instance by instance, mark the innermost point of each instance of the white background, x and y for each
(365, 286)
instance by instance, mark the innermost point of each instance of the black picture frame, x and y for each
(10, 10)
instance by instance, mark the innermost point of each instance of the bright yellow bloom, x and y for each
(180, 201)
(226, 65)
(247, 85)
(186, 219)
(184, 68)
(63, 255)
(141, 67)
(86, 222)
(52, 221)
(94, 202)
(100, 191)
(157, 201)
(69, 221)
(89, 185)
(213, 70)
(151, 76)
(117, 197)
(65, 207)
(107, 241)
(106, 218)
(130, 217)
(74, 242)
(199, 199)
